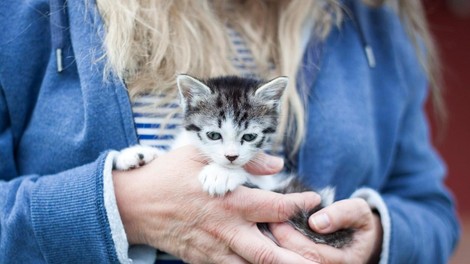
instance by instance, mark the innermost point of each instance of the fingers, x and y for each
(288, 237)
(350, 213)
(232, 259)
(256, 248)
(264, 164)
(264, 206)
(223, 255)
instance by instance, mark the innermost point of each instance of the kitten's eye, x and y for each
(214, 135)
(249, 137)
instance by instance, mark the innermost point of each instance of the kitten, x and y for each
(230, 119)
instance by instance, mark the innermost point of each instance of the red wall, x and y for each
(452, 34)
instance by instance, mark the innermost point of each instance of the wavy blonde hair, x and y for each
(149, 42)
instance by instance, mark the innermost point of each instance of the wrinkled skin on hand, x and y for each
(162, 205)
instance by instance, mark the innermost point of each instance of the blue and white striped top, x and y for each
(149, 126)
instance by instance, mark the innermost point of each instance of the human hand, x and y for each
(264, 164)
(352, 213)
(162, 204)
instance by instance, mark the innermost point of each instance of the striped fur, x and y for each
(233, 107)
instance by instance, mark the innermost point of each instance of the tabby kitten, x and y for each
(230, 119)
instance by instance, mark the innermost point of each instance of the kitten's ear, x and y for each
(273, 89)
(191, 89)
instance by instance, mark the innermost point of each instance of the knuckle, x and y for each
(282, 209)
(363, 207)
(187, 256)
(314, 197)
(224, 256)
(232, 237)
(361, 202)
(227, 205)
(265, 256)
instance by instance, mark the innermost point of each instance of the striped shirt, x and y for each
(150, 127)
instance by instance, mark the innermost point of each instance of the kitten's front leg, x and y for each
(134, 157)
(218, 180)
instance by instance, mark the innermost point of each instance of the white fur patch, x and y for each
(327, 195)
(135, 156)
(217, 180)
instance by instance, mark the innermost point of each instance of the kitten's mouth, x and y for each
(232, 165)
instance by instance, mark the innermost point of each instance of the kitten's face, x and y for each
(231, 118)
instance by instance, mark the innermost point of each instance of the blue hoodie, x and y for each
(59, 118)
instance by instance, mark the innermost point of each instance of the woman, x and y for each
(352, 115)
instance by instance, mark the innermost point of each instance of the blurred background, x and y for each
(449, 21)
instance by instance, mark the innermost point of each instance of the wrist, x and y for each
(125, 198)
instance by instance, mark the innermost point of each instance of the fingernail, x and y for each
(321, 221)
(275, 162)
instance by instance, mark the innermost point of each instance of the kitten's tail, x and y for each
(299, 220)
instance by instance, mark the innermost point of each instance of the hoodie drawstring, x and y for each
(368, 51)
(59, 29)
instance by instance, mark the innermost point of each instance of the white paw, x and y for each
(134, 157)
(217, 180)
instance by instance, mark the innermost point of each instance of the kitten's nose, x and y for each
(231, 158)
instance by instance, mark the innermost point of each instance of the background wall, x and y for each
(450, 24)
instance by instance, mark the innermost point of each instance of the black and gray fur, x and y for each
(299, 221)
(232, 97)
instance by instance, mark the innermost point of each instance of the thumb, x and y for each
(349, 213)
(264, 164)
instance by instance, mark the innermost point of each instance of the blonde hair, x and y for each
(149, 42)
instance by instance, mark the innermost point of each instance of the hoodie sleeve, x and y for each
(63, 215)
(417, 211)
(421, 210)
(56, 218)
(424, 226)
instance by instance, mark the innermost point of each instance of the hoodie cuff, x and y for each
(69, 216)
(376, 202)
(135, 254)
(118, 233)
